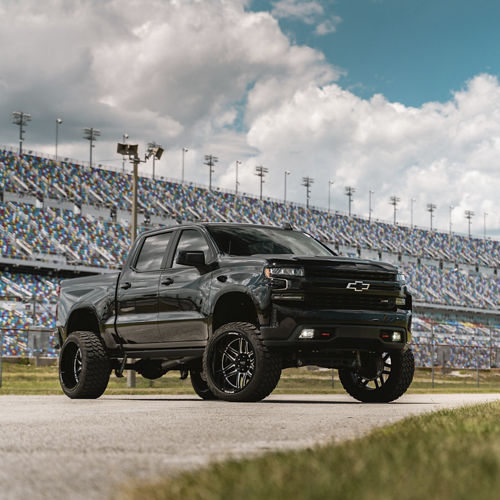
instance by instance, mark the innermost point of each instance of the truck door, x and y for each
(182, 291)
(137, 293)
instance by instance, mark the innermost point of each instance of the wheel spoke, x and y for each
(386, 372)
(232, 350)
(376, 383)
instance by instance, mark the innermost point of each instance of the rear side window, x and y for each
(152, 252)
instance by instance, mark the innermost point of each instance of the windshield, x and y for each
(246, 240)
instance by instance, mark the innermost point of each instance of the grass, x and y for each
(453, 454)
(28, 379)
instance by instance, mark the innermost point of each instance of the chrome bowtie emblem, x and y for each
(358, 286)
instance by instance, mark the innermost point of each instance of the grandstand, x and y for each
(61, 219)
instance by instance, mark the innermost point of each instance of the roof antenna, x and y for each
(287, 226)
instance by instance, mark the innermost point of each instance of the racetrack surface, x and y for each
(53, 447)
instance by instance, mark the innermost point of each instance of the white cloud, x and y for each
(306, 11)
(327, 26)
(219, 79)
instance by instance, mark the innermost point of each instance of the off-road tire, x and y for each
(94, 365)
(200, 385)
(400, 378)
(267, 365)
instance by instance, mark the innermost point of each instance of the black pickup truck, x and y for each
(231, 305)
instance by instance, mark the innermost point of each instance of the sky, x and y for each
(397, 97)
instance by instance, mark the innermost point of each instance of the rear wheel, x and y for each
(84, 366)
(382, 377)
(237, 364)
(200, 386)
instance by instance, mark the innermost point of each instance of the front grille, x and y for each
(350, 274)
(351, 301)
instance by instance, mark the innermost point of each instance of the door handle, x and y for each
(126, 285)
(167, 281)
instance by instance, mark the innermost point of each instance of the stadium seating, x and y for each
(30, 232)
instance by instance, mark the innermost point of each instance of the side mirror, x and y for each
(194, 258)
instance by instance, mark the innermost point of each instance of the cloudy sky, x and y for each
(394, 96)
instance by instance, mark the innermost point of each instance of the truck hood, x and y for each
(340, 263)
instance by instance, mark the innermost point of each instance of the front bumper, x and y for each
(347, 329)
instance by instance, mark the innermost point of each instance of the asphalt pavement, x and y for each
(55, 448)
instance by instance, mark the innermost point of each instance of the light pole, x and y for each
(210, 161)
(430, 208)
(124, 141)
(287, 173)
(413, 200)
(394, 200)
(58, 122)
(451, 213)
(349, 191)
(307, 182)
(261, 172)
(370, 192)
(237, 182)
(151, 147)
(184, 151)
(91, 134)
(131, 150)
(468, 215)
(20, 118)
(330, 184)
(484, 224)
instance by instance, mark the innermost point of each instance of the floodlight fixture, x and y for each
(468, 215)
(307, 182)
(261, 172)
(21, 118)
(91, 134)
(394, 200)
(349, 192)
(431, 208)
(210, 161)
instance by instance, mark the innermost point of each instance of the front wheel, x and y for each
(382, 377)
(84, 366)
(237, 364)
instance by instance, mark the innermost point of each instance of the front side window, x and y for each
(152, 252)
(190, 240)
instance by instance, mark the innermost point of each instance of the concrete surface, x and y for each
(53, 447)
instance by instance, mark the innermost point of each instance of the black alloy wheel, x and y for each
(84, 366)
(382, 377)
(238, 366)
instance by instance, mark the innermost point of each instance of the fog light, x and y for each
(396, 336)
(400, 301)
(306, 333)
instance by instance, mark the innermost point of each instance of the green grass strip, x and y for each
(451, 454)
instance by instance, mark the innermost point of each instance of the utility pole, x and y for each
(20, 118)
(394, 200)
(431, 208)
(184, 151)
(307, 182)
(413, 200)
(484, 224)
(330, 184)
(237, 183)
(349, 191)
(210, 161)
(261, 172)
(451, 214)
(131, 150)
(58, 122)
(468, 215)
(287, 173)
(91, 134)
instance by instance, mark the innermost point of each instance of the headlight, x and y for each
(281, 272)
(401, 278)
